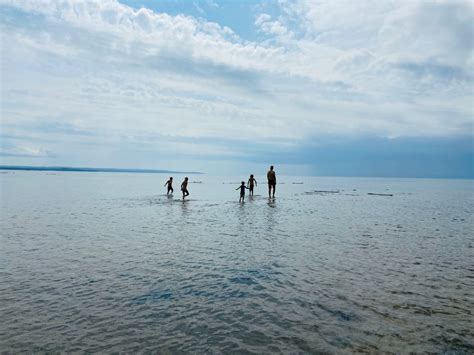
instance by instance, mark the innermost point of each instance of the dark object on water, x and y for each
(321, 192)
(297, 183)
(374, 194)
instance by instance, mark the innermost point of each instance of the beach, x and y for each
(106, 262)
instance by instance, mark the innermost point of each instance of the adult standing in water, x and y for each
(272, 181)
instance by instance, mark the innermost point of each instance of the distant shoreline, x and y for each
(93, 170)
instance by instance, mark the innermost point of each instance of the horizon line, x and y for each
(164, 171)
(92, 170)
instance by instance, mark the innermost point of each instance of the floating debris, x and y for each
(320, 192)
(374, 194)
(297, 183)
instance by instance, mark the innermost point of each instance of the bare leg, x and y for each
(269, 191)
(274, 187)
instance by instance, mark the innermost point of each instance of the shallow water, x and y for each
(106, 262)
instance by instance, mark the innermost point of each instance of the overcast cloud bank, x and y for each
(101, 83)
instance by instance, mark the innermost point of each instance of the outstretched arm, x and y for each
(255, 182)
(237, 188)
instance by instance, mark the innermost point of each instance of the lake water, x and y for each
(94, 262)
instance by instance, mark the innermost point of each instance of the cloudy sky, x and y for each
(352, 88)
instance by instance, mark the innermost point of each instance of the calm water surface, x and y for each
(106, 262)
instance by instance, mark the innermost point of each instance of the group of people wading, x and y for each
(271, 178)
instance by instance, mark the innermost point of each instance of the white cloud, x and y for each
(360, 67)
(276, 28)
(262, 18)
(25, 151)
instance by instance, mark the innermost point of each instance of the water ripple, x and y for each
(120, 268)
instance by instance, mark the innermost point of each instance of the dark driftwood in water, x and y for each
(374, 194)
(315, 192)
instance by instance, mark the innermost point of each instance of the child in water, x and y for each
(242, 191)
(170, 186)
(250, 183)
(184, 187)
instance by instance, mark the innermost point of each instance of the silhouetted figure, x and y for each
(170, 186)
(250, 183)
(242, 191)
(272, 181)
(184, 187)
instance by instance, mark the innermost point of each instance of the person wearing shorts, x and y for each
(184, 187)
(242, 188)
(271, 177)
(251, 184)
(170, 186)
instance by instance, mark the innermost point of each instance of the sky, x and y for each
(335, 88)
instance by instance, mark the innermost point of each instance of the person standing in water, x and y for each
(271, 177)
(170, 186)
(242, 191)
(250, 183)
(184, 187)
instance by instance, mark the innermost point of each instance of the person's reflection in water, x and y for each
(242, 215)
(270, 219)
(184, 208)
(271, 203)
(245, 223)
